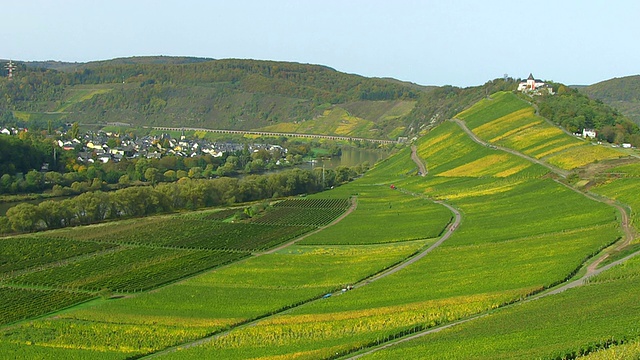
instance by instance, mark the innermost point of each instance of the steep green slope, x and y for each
(520, 233)
(579, 321)
(507, 120)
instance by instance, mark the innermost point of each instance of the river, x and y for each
(350, 157)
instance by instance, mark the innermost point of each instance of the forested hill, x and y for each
(225, 94)
(228, 94)
(621, 93)
(71, 66)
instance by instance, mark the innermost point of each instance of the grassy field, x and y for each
(336, 121)
(231, 295)
(450, 152)
(451, 284)
(356, 119)
(22, 303)
(57, 269)
(128, 270)
(80, 93)
(19, 253)
(384, 216)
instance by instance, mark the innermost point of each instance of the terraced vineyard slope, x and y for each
(506, 120)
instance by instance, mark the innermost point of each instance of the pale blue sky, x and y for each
(457, 42)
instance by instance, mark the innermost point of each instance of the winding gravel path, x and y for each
(354, 205)
(474, 137)
(447, 233)
(416, 159)
(592, 269)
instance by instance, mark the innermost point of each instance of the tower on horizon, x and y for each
(10, 67)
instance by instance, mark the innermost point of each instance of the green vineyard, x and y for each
(199, 234)
(23, 252)
(128, 270)
(18, 304)
(492, 254)
(315, 203)
(50, 271)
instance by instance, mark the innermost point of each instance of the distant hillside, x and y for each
(229, 94)
(195, 92)
(621, 93)
(70, 66)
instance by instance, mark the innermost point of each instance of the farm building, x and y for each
(589, 133)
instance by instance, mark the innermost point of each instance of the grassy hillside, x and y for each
(520, 233)
(507, 120)
(621, 93)
(367, 119)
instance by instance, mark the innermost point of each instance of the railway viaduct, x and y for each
(274, 134)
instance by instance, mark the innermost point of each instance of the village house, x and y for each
(589, 133)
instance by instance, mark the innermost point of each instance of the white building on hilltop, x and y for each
(533, 85)
(530, 84)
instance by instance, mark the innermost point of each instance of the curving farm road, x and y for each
(474, 137)
(449, 231)
(629, 231)
(592, 269)
(416, 159)
(353, 206)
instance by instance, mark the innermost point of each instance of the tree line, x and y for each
(186, 193)
(575, 111)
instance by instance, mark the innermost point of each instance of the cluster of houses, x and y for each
(107, 146)
(11, 131)
(96, 147)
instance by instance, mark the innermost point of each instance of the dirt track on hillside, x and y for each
(447, 233)
(354, 205)
(474, 137)
(591, 270)
(416, 159)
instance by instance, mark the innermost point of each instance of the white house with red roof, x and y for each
(531, 84)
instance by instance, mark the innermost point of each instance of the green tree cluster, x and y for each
(575, 111)
(21, 155)
(186, 193)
